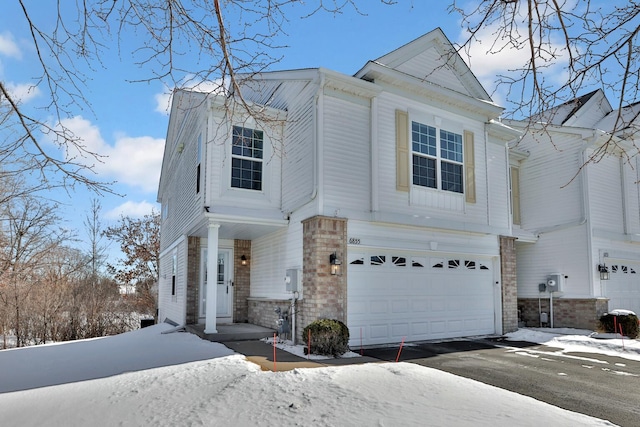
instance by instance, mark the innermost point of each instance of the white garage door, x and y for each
(623, 287)
(392, 296)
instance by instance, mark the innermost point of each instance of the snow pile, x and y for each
(148, 377)
(580, 341)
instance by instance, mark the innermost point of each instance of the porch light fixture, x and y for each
(243, 260)
(604, 271)
(335, 263)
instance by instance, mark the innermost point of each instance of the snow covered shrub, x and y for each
(628, 321)
(328, 337)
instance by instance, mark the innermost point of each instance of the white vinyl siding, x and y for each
(298, 152)
(179, 191)
(173, 307)
(498, 186)
(564, 251)
(426, 202)
(220, 192)
(605, 195)
(430, 65)
(272, 255)
(347, 153)
(552, 192)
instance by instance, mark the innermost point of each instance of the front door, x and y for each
(224, 286)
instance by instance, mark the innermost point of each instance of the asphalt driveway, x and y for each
(605, 387)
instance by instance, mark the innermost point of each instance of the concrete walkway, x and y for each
(245, 338)
(262, 354)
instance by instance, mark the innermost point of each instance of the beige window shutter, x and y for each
(469, 168)
(402, 150)
(515, 195)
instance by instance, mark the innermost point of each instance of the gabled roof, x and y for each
(583, 111)
(624, 122)
(431, 60)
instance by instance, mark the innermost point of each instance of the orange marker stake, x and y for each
(400, 350)
(275, 366)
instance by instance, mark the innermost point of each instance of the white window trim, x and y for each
(439, 124)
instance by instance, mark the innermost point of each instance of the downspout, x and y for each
(486, 175)
(319, 146)
(586, 215)
(625, 203)
(374, 154)
(510, 188)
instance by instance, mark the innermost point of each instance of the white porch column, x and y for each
(212, 279)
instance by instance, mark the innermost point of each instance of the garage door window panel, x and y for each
(378, 259)
(399, 261)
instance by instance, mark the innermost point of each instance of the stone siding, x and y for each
(567, 313)
(509, 284)
(262, 311)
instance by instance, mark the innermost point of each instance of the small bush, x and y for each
(629, 324)
(328, 337)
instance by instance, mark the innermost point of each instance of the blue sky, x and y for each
(129, 120)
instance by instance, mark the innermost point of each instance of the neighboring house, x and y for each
(395, 178)
(577, 212)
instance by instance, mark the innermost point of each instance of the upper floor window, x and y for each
(437, 158)
(246, 158)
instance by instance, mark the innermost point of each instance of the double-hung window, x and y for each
(246, 158)
(437, 158)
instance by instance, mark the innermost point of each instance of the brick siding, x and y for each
(262, 311)
(241, 280)
(567, 313)
(325, 295)
(193, 270)
(509, 284)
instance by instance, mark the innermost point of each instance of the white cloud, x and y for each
(134, 161)
(163, 99)
(163, 102)
(132, 209)
(8, 46)
(490, 55)
(23, 92)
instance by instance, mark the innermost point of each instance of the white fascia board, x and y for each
(336, 80)
(488, 109)
(502, 132)
(593, 137)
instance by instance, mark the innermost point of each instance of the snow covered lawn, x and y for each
(147, 377)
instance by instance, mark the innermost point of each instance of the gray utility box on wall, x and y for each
(555, 282)
(292, 280)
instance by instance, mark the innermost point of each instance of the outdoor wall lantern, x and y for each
(604, 272)
(335, 264)
(243, 260)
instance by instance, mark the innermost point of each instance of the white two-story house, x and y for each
(577, 213)
(380, 199)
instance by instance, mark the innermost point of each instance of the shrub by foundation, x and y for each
(328, 337)
(629, 323)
